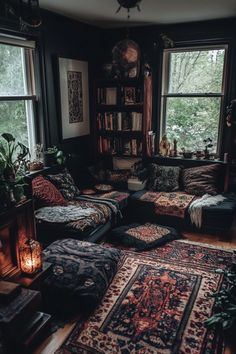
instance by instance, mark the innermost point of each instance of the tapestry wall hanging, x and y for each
(74, 96)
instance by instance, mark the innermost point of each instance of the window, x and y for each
(192, 95)
(17, 89)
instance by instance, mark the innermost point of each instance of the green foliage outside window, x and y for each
(190, 120)
(13, 113)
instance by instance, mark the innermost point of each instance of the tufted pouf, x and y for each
(81, 273)
(143, 237)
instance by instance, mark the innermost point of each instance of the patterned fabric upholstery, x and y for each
(66, 185)
(163, 178)
(201, 180)
(82, 272)
(143, 237)
(46, 193)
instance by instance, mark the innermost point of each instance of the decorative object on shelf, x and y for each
(37, 163)
(208, 145)
(128, 4)
(30, 257)
(103, 188)
(126, 59)
(175, 150)
(74, 96)
(53, 156)
(187, 154)
(164, 146)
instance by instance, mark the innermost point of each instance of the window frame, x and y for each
(165, 85)
(29, 76)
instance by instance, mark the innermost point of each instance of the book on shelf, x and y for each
(119, 121)
(107, 95)
(119, 146)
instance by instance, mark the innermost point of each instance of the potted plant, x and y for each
(208, 145)
(224, 315)
(13, 166)
(53, 156)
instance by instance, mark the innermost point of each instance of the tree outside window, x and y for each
(17, 92)
(192, 96)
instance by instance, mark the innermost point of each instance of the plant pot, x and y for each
(187, 155)
(50, 159)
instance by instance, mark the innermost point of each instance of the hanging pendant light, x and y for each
(128, 4)
(30, 13)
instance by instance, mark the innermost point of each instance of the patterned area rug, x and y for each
(156, 304)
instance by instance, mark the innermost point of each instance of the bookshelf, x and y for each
(119, 117)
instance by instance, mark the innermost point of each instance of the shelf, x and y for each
(120, 108)
(116, 82)
(120, 132)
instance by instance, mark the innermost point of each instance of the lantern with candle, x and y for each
(30, 256)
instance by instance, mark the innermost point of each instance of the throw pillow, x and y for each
(144, 237)
(201, 180)
(46, 193)
(81, 274)
(66, 185)
(163, 178)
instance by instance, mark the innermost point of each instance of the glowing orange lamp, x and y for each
(30, 256)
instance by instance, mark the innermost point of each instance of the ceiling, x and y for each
(103, 12)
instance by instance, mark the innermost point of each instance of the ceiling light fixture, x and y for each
(128, 4)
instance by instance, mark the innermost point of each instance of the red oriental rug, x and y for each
(156, 304)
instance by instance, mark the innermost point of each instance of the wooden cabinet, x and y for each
(16, 224)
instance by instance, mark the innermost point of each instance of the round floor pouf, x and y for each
(143, 236)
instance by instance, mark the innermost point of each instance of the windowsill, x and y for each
(180, 158)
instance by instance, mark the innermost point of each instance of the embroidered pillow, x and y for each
(201, 180)
(46, 193)
(143, 237)
(66, 185)
(163, 178)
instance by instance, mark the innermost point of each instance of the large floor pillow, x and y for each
(81, 273)
(143, 237)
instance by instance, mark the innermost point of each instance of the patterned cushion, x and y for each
(163, 178)
(81, 273)
(201, 180)
(46, 193)
(66, 185)
(143, 237)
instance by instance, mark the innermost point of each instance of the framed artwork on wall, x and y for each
(74, 97)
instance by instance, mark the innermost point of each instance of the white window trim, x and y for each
(27, 48)
(165, 84)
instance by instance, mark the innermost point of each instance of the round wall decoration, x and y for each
(126, 58)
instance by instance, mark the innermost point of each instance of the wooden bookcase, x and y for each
(119, 117)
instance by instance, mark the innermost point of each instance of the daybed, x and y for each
(175, 183)
(62, 210)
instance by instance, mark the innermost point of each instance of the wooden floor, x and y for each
(52, 343)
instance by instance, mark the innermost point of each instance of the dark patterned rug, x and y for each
(157, 303)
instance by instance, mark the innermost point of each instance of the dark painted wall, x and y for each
(67, 38)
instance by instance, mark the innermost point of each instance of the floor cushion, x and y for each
(81, 273)
(143, 237)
